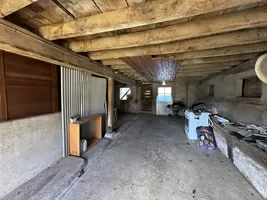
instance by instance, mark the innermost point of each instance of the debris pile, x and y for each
(256, 135)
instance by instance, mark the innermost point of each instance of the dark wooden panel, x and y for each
(252, 87)
(23, 67)
(28, 101)
(3, 103)
(28, 82)
(30, 86)
(147, 97)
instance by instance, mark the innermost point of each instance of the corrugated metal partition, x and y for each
(81, 94)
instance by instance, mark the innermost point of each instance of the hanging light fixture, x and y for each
(163, 83)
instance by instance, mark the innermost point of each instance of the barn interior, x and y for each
(103, 99)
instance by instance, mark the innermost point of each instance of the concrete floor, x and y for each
(154, 160)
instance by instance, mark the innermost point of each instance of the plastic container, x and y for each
(83, 146)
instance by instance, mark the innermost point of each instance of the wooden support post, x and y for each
(110, 104)
(3, 102)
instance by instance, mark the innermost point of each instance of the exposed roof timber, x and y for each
(252, 18)
(245, 66)
(223, 51)
(194, 74)
(127, 70)
(9, 6)
(212, 65)
(219, 59)
(207, 70)
(203, 69)
(177, 79)
(121, 66)
(199, 71)
(20, 41)
(140, 15)
(113, 62)
(192, 61)
(210, 42)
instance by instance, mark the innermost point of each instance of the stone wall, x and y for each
(227, 92)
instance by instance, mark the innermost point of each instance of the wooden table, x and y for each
(75, 133)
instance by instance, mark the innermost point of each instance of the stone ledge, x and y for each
(52, 182)
(250, 160)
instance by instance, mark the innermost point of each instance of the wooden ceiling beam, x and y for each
(117, 63)
(9, 6)
(252, 18)
(219, 59)
(218, 52)
(113, 62)
(22, 42)
(195, 75)
(146, 13)
(212, 65)
(121, 67)
(210, 42)
(127, 70)
(205, 69)
(244, 66)
(201, 70)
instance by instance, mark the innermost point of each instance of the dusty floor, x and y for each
(154, 160)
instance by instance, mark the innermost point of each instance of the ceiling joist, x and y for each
(9, 6)
(150, 12)
(252, 18)
(218, 52)
(212, 65)
(113, 62)
(219, 59)
(121, 67)
(210, 42)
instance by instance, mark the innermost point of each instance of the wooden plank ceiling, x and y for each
(148, 39)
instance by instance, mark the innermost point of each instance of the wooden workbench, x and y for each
(75, 133)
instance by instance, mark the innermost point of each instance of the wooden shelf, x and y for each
(92, 142)
(75, 133)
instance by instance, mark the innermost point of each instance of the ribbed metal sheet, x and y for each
(81, 94)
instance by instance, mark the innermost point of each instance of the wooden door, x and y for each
(147, 97)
